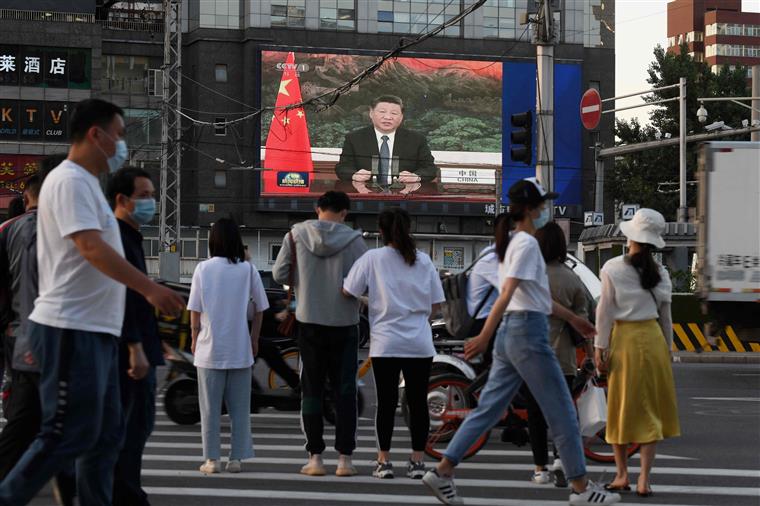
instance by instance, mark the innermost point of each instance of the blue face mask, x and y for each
(144, 211)
(120, 156)
(542, 219)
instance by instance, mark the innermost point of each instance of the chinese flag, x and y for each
(288, 165)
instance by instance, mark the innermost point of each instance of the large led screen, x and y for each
(418, 128)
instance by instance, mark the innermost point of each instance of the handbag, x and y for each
(592, 409)
(288, 325)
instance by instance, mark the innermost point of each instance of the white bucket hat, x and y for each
(646, 227)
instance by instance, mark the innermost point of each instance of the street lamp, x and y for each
(702, 113)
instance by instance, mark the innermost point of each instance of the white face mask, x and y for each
(120, 156)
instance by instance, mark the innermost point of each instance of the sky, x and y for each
(640, 25)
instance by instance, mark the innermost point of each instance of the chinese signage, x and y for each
(453, 258)
(45, 67)
(34, 120)
(14, 171)
(469, 176)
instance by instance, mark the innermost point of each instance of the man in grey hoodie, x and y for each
(328, 331)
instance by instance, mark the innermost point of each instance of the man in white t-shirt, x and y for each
(78, 315)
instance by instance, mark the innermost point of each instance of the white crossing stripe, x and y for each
(460, 482)
(728, 399)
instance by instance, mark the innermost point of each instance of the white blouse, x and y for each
(623, 299)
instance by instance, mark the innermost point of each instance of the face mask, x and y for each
(120, 156)
(144, 211)
(542, 219)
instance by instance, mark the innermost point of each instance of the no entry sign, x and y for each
(591, 109)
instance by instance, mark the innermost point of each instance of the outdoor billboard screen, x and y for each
(444, 141)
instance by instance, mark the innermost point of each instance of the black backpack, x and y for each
(459, 322)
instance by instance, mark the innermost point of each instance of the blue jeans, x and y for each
(234, 386)
(138, 399)
(81, 416)
(522, 352)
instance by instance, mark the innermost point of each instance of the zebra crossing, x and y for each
(497, 476)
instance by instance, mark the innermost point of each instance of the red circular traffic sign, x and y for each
(591, 109)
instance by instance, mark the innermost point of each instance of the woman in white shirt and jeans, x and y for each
(522, 352)
(404, 288)
(634, 338)
(223, 345)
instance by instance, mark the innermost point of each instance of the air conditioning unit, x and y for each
(154, 83)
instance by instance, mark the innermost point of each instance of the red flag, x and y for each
(288, 149)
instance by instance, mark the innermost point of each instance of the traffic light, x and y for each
(522, 138)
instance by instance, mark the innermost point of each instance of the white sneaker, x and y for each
(443, 488)
(233, 466)
(542, 477)
(314, 467)
(211, 467)
(594, 494)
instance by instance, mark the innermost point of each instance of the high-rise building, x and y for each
(459, 88)
(717, 32)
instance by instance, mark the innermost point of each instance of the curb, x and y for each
(716, 358)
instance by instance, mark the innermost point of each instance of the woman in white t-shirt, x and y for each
(522, 352)
(223, 345)
(404, 288)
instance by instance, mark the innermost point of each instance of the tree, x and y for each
(638, 177)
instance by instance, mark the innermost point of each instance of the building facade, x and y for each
(716, 32)
(225, 44)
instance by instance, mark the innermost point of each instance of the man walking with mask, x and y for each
(78, 315)
(132, 197)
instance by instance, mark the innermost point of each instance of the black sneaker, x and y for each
(384, 471)
(415, 470)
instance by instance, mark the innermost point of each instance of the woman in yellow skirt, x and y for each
(634, 337)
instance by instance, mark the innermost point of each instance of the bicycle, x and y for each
(451, 397)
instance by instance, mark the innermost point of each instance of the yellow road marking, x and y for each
(738, 346)
(700, 338)
(678, 329)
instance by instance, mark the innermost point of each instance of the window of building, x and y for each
(220, 127)
(143, 127)
(219, 14)
(499, 19)
(220, 72)
(417, 16)
(274, 250)
(695, 37)
(220, 179)
(337, 15)
(125, 74)
(288, 13)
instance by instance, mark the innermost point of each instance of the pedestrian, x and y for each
(404, 289)
(634, 338)
(16, 207)
(567, 290)
(522, 352)
(323, 251)
(78, 315)
(483, 288)
(223, 344)
(18, 273)
(132, 197)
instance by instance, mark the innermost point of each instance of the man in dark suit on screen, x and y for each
(385, 151)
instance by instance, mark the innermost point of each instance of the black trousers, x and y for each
(537, 426)
(328, 352)
(272, 355)
(416, 375)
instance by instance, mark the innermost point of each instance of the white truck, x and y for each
(728, 216)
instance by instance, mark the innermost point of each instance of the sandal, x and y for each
(648, 493)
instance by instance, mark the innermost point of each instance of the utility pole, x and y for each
(683, 210)
(171, 159)
(544, 38)
(755, 101)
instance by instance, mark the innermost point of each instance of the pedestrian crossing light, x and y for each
(522, 137)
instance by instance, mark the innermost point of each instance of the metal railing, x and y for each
(134, 26)
(79, 17)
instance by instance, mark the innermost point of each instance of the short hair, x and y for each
(89, 113)
(49, 163)
(33, 186)
(225, 241)
(334, 201)
(16, 207)
(390, 99)
(123, 182)
(551, 240)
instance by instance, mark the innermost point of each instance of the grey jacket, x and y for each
(18, 254)
(325, 253)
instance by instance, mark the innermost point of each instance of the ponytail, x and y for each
(395, 225)
(503, 227)
(649, 271)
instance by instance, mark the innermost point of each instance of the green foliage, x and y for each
(683, 281)
(636, 176)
